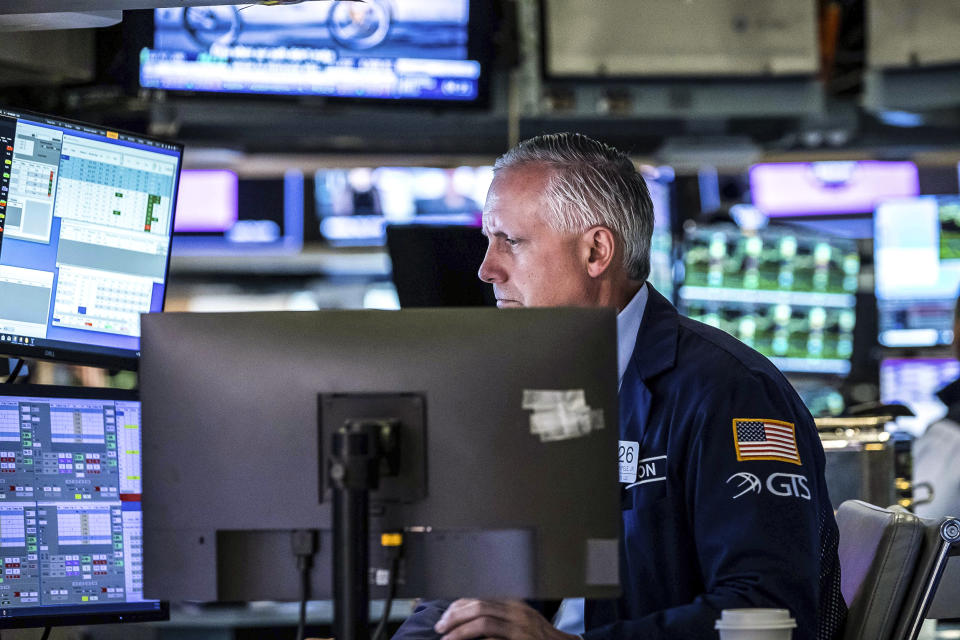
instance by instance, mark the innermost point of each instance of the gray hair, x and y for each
(592, 184)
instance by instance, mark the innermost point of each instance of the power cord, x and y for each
(16, 371)
(46, 630)
(304, 545)
(392, 544)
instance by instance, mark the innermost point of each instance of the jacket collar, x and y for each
(656, 348)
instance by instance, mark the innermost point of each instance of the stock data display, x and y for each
(917, 260)
(86, 219)
(789, 296)
(70, 526)
(406, 49)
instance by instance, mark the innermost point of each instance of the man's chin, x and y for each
(508, 304)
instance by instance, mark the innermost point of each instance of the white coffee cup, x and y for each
(755, 624)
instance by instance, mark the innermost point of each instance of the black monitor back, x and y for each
(231, 449)
(436, 266)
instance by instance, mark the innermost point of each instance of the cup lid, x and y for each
(755, 619)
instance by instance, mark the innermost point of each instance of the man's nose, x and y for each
(489, 271)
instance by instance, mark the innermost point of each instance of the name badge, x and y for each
(627, 455)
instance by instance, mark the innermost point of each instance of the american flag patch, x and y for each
(765, 440)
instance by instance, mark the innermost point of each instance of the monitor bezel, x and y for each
(96, 355)
(161, 610)
(138, 32)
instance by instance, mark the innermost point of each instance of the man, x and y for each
(739, 516)
(936, 451)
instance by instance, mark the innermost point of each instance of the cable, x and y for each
(16, 371)
(304, 566)
(388, 603)
(304, 545)
(392, 544)
(47, 630)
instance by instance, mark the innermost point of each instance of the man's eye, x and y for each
(511, 241)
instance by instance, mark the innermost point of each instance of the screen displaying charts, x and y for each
(70, 515)
(788, 295)
(917, 265)
(86, 216)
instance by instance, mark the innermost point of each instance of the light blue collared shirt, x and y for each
(569, 618)
(628, 325)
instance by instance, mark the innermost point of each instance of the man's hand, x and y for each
(466, 619)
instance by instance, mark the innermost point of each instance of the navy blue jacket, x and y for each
(729, 506)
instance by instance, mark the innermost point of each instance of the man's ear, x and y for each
(599, 248)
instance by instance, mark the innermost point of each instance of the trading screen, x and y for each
(85, 223)
(917, 258)
(70, 516)
(789, 296)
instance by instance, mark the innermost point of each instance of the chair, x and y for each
(890, 564)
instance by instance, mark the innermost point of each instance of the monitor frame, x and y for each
(99, 613)
(96, 355)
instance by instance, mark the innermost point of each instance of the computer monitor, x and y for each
(70, 514)
(436, 266)
(917, 269)
(914, 382)
(219, 213)
(354, 206)
(788, 295)
(513, 423)
(86, 216)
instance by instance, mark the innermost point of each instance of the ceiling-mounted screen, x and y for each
(384, 49)
(829, 188)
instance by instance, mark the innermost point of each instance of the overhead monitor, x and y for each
(917, 269)
(221, 213)
(829, 188)
(914, 382)
(382, 49)
(70, 509)
(502, 435)
(87, 217)
(354, 206)
(788, 295)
